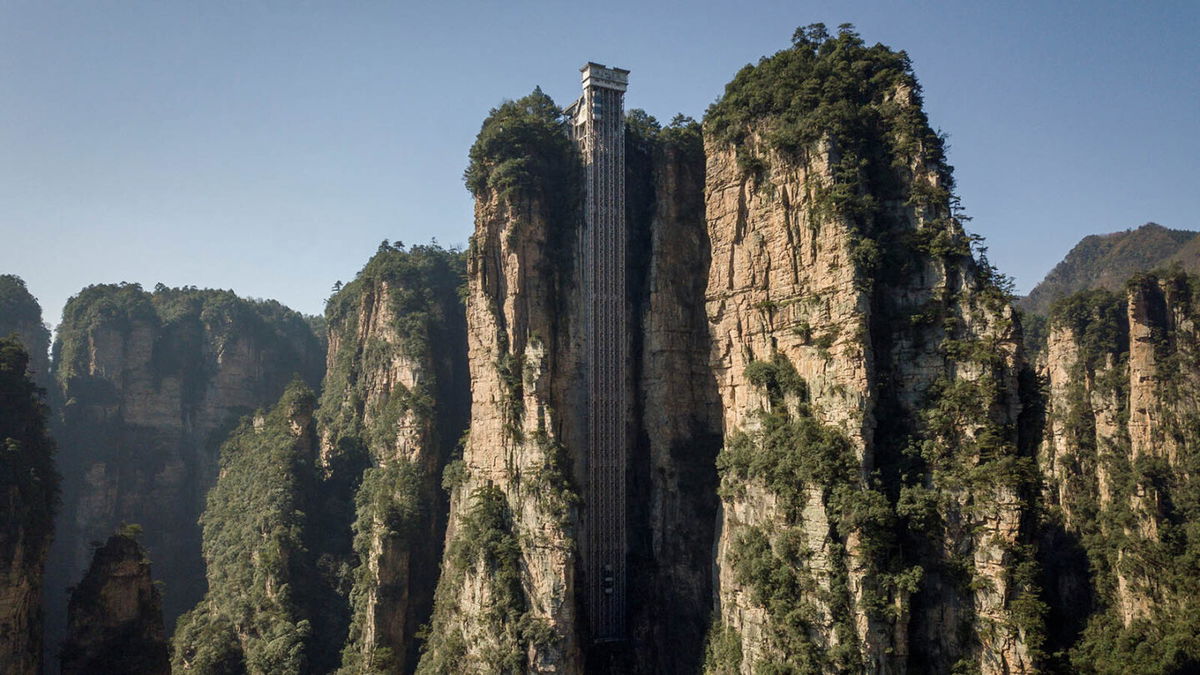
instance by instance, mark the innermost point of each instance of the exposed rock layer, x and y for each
(114, 618)
(852, 315)
(152, 383)
(1118, 459)
(394, 407)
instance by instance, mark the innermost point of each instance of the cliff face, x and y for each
(394, 406)
(506, 597)
(672, 471)
(264, 592)
(1119, 461)
(28, 500)
(151, 384)
(872, 475)
(805, 300)
(114, 617)
(20, 313)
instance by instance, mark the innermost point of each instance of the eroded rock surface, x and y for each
(151, 384)
(114, 618)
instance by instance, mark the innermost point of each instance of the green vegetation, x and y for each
(646, 134)
(254, 618)
(486, 546)
(1159, 568)
(389, 506)
(419, 289)
(833, 98)
(523, 147)
(106, 637)
(722, 649)
(524, 157)
(188, 326)
(1108, 260)
(21, 314)
(799, 459)
(378, 490)
(122, 354)
(28, 479)
(863, 100)
(1097, 320)
(17, 306)
(939, 468)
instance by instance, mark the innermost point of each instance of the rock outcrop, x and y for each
(152, 383)
(21, 314)
(872, 477)
(814, 307)
(1119, 460)
(28, 501)
(512, 604)
(114, 618)
(264, 598)
(394, 406)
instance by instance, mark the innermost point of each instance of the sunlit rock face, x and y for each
(1119, 492)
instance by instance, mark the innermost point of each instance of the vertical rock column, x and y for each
(28, 500)
(1119, 464)
(872, 476)
(394, 407)
(673, 477)
(506, 600)
(115, 623)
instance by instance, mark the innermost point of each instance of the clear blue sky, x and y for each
(268, 147)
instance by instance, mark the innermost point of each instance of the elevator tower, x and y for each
(598, 130)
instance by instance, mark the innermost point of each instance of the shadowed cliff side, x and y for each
(20, 313)
(1120, 466)
(395, 403)
(28, 501)
(672, 472)
(114, 617)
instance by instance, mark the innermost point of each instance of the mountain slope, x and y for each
(1108, 260)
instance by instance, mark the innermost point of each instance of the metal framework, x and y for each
(598, 129)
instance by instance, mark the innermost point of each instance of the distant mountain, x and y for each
(1109, 260)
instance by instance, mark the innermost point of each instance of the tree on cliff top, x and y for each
(827, 87)
(522, 144)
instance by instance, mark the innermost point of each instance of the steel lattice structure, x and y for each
(598, 129)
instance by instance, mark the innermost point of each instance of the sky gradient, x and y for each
(269, 147)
